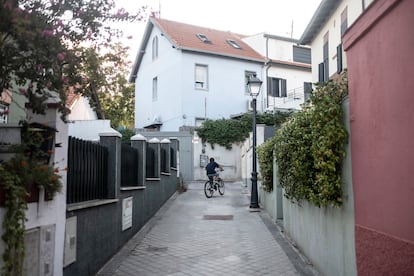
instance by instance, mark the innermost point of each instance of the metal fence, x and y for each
(129, 166)
(150, 164)
(173, 158)
(87, 171)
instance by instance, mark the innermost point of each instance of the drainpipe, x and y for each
(266, 64)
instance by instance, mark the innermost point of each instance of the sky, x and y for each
(287, 18)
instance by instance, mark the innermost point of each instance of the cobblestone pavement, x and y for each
(193, 235)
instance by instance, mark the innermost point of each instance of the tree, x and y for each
(116, 95)
(44, 45)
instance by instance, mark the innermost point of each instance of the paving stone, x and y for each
(193, 235)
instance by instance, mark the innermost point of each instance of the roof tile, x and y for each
(184, 36)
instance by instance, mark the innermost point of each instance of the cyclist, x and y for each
(211, 169)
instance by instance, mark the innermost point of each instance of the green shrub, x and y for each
(309, 148)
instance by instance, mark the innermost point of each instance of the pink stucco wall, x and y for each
(380, 55)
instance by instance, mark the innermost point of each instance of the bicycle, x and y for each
(213, 184)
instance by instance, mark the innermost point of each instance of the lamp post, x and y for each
(254, 85)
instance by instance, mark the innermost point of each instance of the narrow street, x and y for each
(193, 235)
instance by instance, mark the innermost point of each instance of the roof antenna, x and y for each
(291, 31)
(159, 9)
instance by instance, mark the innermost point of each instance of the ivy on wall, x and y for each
(225, 132)
(309, 148)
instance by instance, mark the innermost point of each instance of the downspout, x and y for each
(266, 64)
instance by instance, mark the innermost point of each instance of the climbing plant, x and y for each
(265, 158)
(310, 146)
(225, 132)
(27, 171)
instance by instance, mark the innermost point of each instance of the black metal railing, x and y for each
(87, 171)
(164, 160)
(150, 164)
(129, 166)
(173, 158)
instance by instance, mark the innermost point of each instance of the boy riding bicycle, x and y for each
(211, 169)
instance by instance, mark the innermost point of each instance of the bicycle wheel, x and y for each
(208, 189)
(221, 186)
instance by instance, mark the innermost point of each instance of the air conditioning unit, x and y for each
(249, 105)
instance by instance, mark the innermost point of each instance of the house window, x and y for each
(233, 43)
(276, 87)
(344, 21)
(3, 113)
(247, 75)
(324, 66)
(155, 48)
(203, 38)
(201, 77)
(154, 89)
(301, 54)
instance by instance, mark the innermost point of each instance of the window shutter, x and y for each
(283, 92)
(307, 89)
(273, 88)
(339, 58)
(276, 87)
(321, 73)
(269, 86)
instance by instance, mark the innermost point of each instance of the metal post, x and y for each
(254, 202)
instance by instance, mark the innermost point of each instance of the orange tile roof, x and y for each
(184, 36)
(72, 98)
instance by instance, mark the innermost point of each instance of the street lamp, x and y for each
(254, 85)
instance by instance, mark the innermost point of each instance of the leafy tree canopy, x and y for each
(45, 45)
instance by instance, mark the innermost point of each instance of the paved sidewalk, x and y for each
(193, 235)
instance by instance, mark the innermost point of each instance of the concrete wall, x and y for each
(325, 235)
(380, 64)
(228, 159)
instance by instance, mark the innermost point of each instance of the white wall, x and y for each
(89, 129)
(281, 49)
(246, 155)
(228, 159)
(278, 48)
(294, 85)
(333, 25)
(169, 82)
(226, 94)
(82, 110)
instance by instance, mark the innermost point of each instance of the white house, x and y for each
(185, 74)
(287, 71)
(324, 35)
